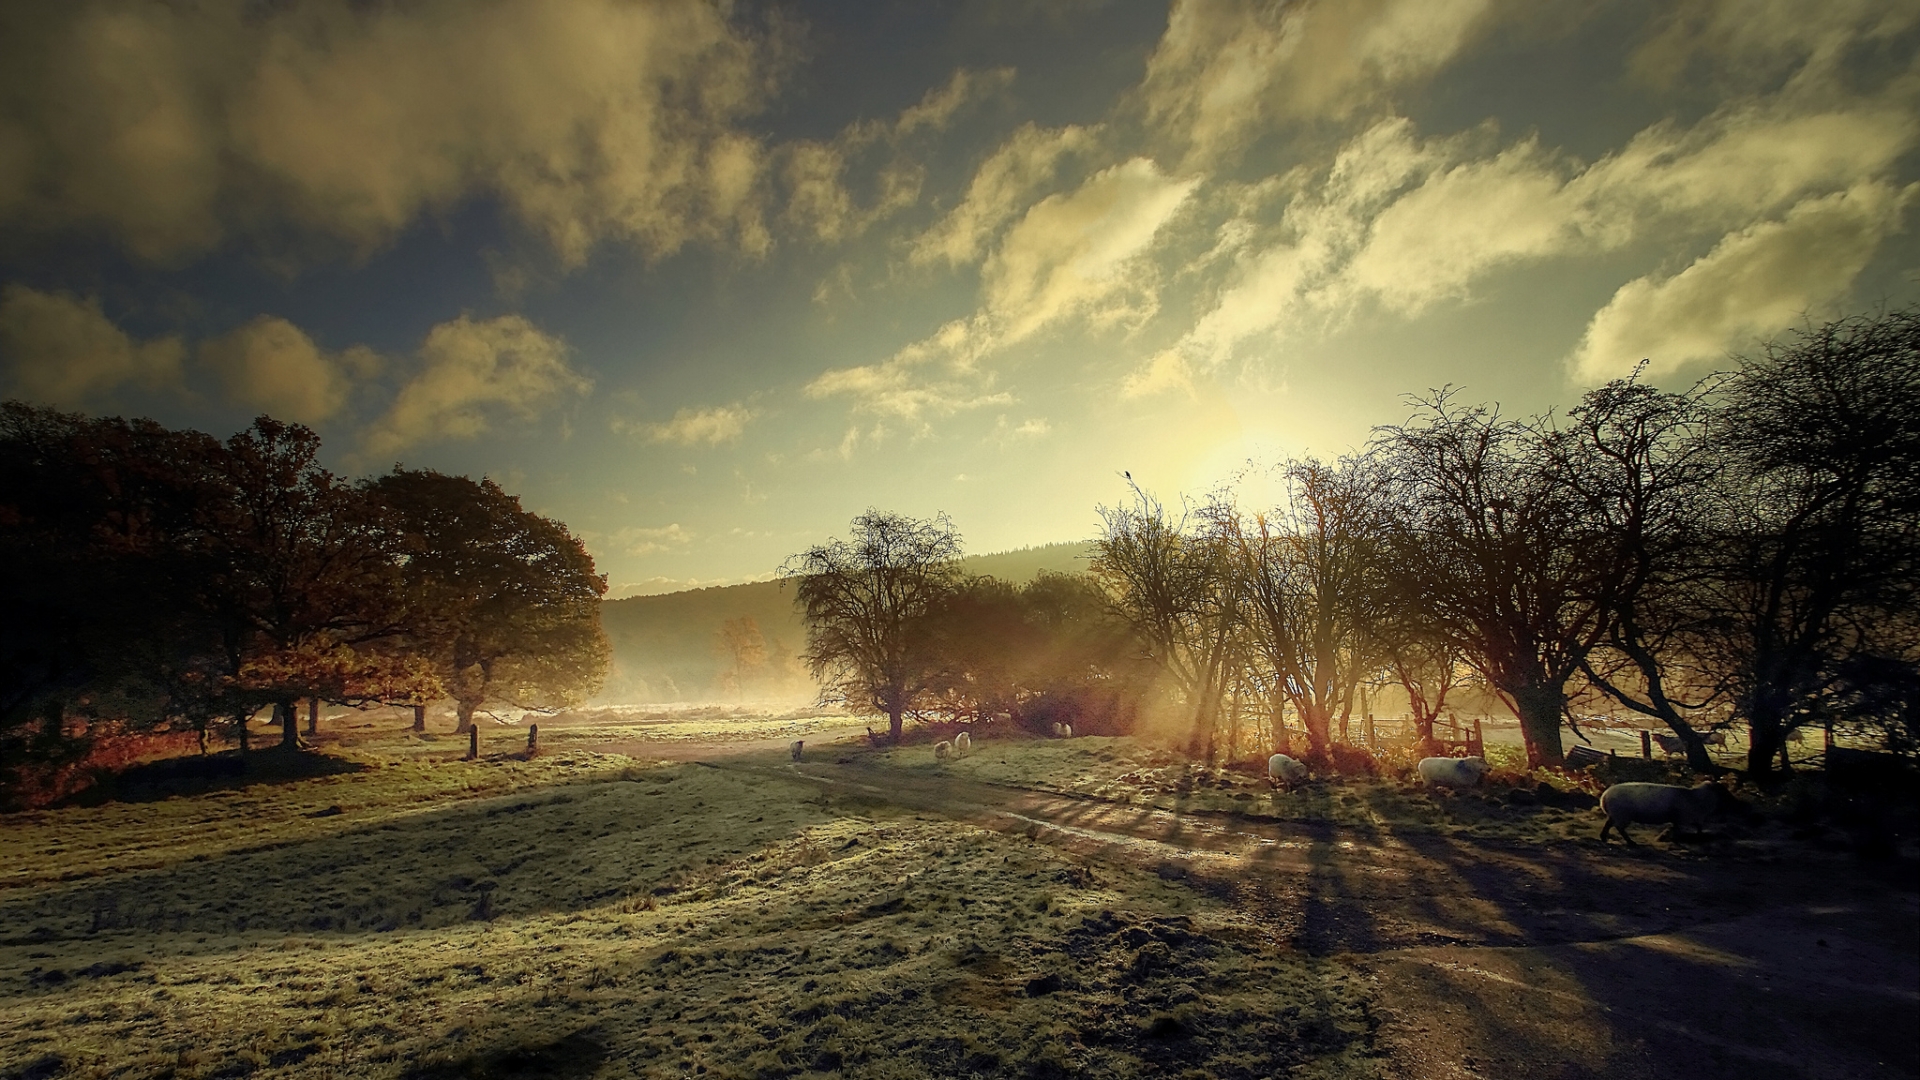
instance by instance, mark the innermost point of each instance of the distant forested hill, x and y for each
(743, 642)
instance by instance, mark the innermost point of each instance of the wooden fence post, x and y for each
(533, 739)
(473, 742)
(1646, 744)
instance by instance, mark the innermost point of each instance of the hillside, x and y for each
(742, 642)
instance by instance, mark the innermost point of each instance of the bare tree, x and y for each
(865, 600)
(1817, 523)
(1169, 581)
(1303, 568)
(1497, 550)
(1635, 458)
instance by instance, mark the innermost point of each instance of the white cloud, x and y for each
(1404, 222)
(1753, 284)
(1077, 255)
(819, 202)
(471, 375)
(1073, 258)
(63, 350)
(171, 126)
(998, 192)
(647, 541)
(1223, 72)
(272, 365)
(693, 427)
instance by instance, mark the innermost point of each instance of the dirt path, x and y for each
(1560, 961)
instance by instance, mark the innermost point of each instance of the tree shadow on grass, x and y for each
(551, 850)
(578, 1054)
(155, 781)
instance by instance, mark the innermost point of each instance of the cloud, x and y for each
(638, 541)
(1753, 284)
(998, 192)
(819, 201)
(1077, 257)
(472, 374)
(1749, 44)
(63, 350)
(272, 365)
(1224, 72)
(1403, 222)
(693, 427)
(173, 126)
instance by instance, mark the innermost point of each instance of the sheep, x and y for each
(962, 744)
(1670, 744)
(1003, 718)
(942, 750)
(1064, 731)
(1452, 772)
(1657, 804)
(797, 744)
(1283, 771)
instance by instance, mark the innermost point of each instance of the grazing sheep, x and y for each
(962, 744)
(1659, 804)
(1283, 771)
(942, 750)
(1715, 738)
(1670, 744)
(797, 744)
(1452, 772)
(1065, 731)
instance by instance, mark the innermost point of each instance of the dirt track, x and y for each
(1560, 961)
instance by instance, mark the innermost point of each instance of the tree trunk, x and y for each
(419, 718)
(1319, 732)
(1540, 706)
(896, 722)
(1766, 740)
(313, 716)
(289, 719)
(1282, 744)
(240, 728)
(464, 710)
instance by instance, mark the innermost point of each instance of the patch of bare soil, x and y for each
(1507, 960)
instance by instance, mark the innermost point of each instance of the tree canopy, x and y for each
(160, 577)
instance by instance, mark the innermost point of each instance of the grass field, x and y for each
(585, 913)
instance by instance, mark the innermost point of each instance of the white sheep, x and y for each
(1452, 772)
(1659, 804)
(1283, 771)
(942, 750)
(797, 744)
(1065, 731)
(962, 744)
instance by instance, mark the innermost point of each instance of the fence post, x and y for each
(473, 742)
(1646, 744)
(533, 739)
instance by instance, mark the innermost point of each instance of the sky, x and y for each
(706, 281)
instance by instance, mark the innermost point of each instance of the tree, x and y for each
(1047, 652)
(866, 600)
(1635, 458)
(96, 552)
(301, 569)
(1303, 569)
(1816, 523)
(1169, 580)
(503, 603)
(1497, 550)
